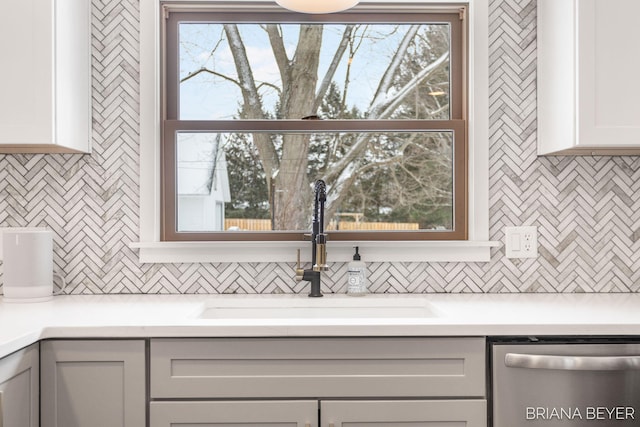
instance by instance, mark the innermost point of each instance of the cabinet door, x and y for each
(235, 414)
(19, 381)
(26, 115)
(93, 383)
(588, 82)
(45, 83)
(432, 413)
(608, 70)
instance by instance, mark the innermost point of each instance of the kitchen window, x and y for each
(262, 105)
(380, 112)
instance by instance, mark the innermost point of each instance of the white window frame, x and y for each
(475, 249)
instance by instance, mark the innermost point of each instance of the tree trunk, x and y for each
(293, 192)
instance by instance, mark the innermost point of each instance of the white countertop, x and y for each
(144, 316)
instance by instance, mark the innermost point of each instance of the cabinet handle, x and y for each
(330, 425)
(572, 363)
(1, 412)
(305, 425)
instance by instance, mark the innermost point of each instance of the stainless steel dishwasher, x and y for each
(565, 383)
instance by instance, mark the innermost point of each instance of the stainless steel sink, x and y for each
(329, 307)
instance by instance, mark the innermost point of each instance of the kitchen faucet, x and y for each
(318, 243)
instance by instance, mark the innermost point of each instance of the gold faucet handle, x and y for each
(321, 253)
(299, 269)
(321, 265)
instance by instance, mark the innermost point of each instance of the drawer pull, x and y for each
(330, 425)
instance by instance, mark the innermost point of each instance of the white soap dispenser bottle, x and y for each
(357, 274)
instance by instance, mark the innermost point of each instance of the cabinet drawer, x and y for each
(376, 413)
(282, 413)
(304, 413)
(317, 367)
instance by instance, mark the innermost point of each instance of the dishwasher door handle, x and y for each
(572, 363)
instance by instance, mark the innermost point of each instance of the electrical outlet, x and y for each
(521, 242)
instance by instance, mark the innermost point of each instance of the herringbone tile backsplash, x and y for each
(587, 209)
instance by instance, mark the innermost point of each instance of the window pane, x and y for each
(202, 182)
(335, 71)
(398, 181)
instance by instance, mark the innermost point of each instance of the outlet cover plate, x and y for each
(521, 242)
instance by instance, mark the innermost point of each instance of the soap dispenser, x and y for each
(357, 274)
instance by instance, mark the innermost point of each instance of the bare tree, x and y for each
(301, 94)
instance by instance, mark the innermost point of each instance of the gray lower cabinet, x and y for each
(19, 379)
(97, 383)
(310, 382)
(375, 413)
(304, 413)
(282, 413)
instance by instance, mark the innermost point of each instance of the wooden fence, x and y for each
(265, 225)
(247, 224)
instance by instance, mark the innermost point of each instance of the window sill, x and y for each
(208, 252)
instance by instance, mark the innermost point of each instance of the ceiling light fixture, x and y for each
(317, 6)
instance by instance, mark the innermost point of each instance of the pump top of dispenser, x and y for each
(356, 256)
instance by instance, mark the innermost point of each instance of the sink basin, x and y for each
(329, 307)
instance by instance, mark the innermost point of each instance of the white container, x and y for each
(27, 265)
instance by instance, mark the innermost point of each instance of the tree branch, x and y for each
(206, 70)
(387, 79)
(279, 52)
(331, 71)
(389, 107)
(362, 141)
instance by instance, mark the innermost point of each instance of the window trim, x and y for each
(173, 124)
(475, 249)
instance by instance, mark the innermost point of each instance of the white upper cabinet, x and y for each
(588, 77)
(45, 78)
